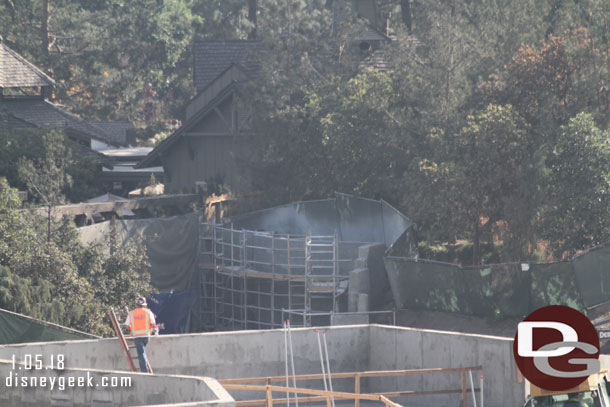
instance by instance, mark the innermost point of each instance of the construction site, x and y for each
(303, 303)
(307, 262)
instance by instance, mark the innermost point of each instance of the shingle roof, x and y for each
(211, 58)
(41, 113)
(17, 72)
(117, 132)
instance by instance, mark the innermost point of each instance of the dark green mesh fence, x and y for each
(554, 284)
(502, 289)
(17, 328)
(592, 271)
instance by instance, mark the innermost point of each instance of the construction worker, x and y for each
(141, 322)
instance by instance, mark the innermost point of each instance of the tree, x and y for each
(59, 279)
(75, 181)
(47, 178)
(488, 173)
(577, 213)
(103, 54)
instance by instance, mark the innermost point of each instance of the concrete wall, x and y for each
(351, 348)
(80, 387)
(407, 348)
(220, 355)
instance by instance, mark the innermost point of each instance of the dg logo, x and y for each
(556, 348)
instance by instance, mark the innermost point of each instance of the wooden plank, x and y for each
(357, 389)
(118, 206)
(385, 395)
(263, 402)
(346, 375)
(302, 391)
(388, 402)
(424, 392)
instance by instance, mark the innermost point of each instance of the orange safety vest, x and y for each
(139, 322)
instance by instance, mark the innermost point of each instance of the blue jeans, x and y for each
(140, 342)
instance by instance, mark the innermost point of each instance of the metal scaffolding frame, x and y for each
(250, 277)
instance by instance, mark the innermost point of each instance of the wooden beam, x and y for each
(284, 389)
(347, 375)
(89, 209)
(224, 119)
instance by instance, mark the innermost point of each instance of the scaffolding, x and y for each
(249, 278)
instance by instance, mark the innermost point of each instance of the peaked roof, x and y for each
(212, 58)
(153, 158)
(40, 113)
(17, 72)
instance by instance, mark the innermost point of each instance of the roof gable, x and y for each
(17, 72)
(153, 158)
(212, 58)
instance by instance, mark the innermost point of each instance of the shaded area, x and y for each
(502, 290)
(173, 310)
(171, 244)
(18, 328)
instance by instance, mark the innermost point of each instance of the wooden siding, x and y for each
(194, 159)
(213, 123)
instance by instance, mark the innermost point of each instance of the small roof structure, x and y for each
(37, 112)
(119, 132)
(212, 58)
(127, 153)
(17, 72)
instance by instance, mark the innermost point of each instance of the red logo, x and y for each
(556, 348)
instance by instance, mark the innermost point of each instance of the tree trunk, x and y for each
(476, 245)
(405, 8)
(49, 209)
(252, 7)
(44, 29)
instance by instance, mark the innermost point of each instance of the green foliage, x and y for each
(42, 162)
(577, 216)
(59, 279)
(46, 178)
(487, 173)
(477, 129)
(104, 54)
(461, 133)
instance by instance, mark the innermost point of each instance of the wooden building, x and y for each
(205, 150)
(24, 103)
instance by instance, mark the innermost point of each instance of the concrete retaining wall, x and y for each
(406, 348)
(220, 355)
(90, 387)
(351, 348)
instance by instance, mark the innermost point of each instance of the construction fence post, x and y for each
(357, 389)
(269, 398)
